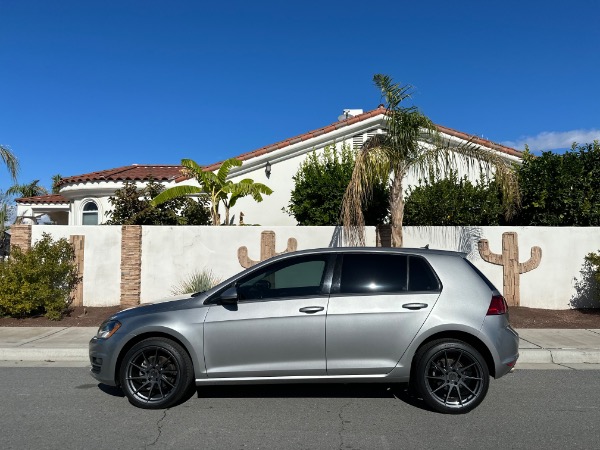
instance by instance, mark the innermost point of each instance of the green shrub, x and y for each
(594, 260)
(319, 187)
(561, 190)
(199, 281)
(454, 201)
(38, 281)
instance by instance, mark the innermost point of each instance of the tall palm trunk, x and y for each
(397, 209)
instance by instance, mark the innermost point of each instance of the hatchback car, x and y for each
(374, 315)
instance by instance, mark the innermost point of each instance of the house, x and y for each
(83, 199)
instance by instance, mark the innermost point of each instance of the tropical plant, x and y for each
(319, 187)
(10, 161)
(56, 180)
(32, 189)
(216, 187)
(561, 189)
(454, 201)
(199, 281)
(411, 144)
(40, 280)
(131, 206)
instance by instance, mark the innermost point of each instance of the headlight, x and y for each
(108, 328)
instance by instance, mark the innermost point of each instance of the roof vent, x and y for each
(348, 113)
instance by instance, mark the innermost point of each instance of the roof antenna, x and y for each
(426, 247)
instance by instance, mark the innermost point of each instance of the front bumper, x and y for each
(103, 358)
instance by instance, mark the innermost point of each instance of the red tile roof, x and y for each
(43, 199)
(350, 121)
(135, 172)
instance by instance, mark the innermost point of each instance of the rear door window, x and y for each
(380, 273)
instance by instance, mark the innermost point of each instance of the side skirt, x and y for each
(312, 379)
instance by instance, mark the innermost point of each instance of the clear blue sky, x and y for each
(91, 85)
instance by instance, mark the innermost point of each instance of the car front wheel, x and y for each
(451, 376)
(156, 373)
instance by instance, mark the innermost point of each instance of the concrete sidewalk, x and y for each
(572, 348)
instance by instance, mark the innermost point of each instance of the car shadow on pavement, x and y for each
(111, 390)
(398, 391)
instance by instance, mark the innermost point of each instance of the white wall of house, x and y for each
(169, 254)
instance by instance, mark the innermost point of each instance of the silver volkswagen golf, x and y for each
(373, 315)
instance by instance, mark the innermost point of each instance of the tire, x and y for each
(156, 373)
(451, 376)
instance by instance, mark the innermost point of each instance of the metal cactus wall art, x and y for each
(509, 260)
(267, 249)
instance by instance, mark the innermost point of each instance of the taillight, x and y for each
(497, 306)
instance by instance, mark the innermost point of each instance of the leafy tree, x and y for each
(10, 161)
(216, 187)
(133, 207)
(454, 201)
(319, 187)
(39, 280)
(32, 189)
(561, 190)
(411, 144)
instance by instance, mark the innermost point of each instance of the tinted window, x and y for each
(420, 275)
(373, 273)
(381, 273)
(297, 277)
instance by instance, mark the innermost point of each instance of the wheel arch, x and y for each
(468, 338)
(140, 337)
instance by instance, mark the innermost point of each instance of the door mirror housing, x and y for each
(229, 297)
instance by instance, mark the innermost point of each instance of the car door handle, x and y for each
(311, 309)
(414, 305)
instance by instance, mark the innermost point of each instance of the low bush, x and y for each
(594, 260)
(38, 281)
(199, 281)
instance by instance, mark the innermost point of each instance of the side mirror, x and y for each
(229, 297)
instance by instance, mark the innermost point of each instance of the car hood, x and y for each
(170, 304)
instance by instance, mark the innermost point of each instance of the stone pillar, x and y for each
(131, 265)
(20, 236)
(384, 235)
(78, 243)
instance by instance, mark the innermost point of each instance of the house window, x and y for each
(90, 214)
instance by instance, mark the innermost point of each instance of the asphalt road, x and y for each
(64, 408)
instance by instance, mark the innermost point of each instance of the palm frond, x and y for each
(175, 192)
(10, 161)
(226, 167)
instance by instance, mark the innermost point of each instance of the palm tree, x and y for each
(216, 186)
(27, 190)
(10, 161)
(412, 145)
(56, 180)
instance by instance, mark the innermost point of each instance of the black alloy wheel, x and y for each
(156, 373)
(451, 376)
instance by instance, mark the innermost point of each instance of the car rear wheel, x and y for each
(451, 376)
(156, 373)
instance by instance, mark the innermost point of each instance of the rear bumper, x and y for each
(503, 343)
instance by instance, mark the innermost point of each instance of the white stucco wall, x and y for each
(102, 260)
(171, 254)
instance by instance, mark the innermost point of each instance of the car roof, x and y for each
(388, 250)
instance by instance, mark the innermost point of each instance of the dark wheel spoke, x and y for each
(136, 378)
(468, 388)
(168, 382)
(460, 400)
(440, 387)
(448, 395)
(141, 387)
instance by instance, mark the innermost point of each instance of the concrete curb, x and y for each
(44, 354)
(558, 356)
